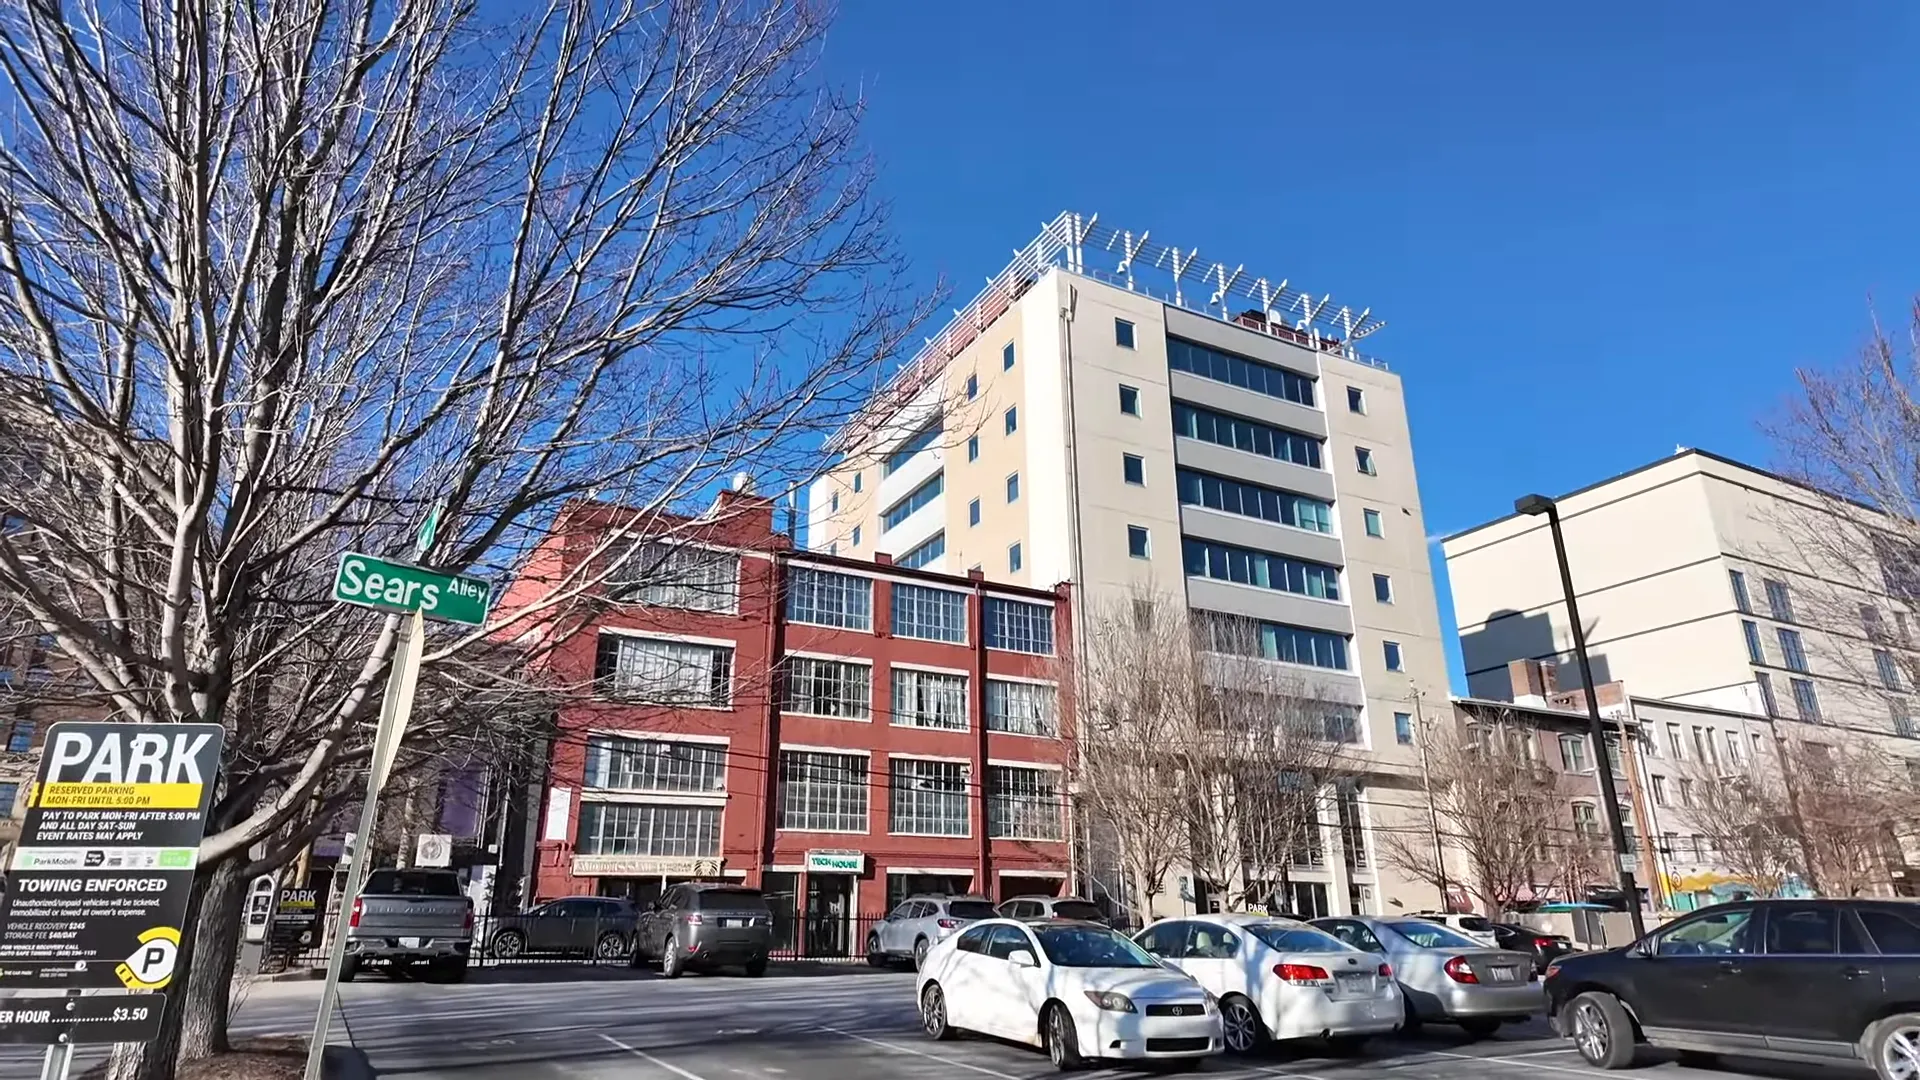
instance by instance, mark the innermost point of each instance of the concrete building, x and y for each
(1121, 414)
(838, 732)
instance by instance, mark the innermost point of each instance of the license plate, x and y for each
(732, 924)
(1502, 974)
(1355, 984)
(409, 942)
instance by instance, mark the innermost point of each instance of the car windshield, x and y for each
(412, 883)
(1090, 946)
(1476, 924)
(1286, 937)
(1432, 935)
(970, 909)
(1078, 909)
(729, 900)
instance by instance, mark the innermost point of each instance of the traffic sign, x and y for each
(396, 586)
(48, 1020)
(433, 849)
(98, 884)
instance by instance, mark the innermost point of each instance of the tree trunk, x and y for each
(189, 997)
(209, 988)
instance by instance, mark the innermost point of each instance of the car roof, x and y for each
(942, 897)
(1239, 918)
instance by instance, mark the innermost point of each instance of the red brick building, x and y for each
(838, 733)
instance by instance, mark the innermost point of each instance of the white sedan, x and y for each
(1078, 990)
(1280, 979)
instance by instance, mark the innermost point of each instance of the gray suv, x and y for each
(920, 922)
(705, 925)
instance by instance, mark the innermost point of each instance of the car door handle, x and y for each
(1854, 972)
(1730, 967)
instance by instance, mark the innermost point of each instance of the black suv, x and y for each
(705, 925)
(1817, 981)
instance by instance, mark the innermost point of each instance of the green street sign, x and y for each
(396, 586)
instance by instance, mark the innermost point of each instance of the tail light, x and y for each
(694, 919)
(1543, 943)
(467, 923)
(1458, 971)
(1386, 971)
(1299, 973)
(949, 924)
(1552, 970)
(353, 921)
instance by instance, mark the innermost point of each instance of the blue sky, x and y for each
(1595, 231)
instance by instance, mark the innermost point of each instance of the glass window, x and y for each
(1006, 357)
(1403, 728)
(833, 688)
(1165, 939)
(1013, 557)
(856, 536)
(20, 737)
(1432, 935)
(9, 794)
(1239, 371)
(1573, 753)
(662, 765)
(1253, 500)
(1889, 673)
(929, 798)
(973, 387)
(1022, 803)
(1239, 636)
(1245, 566)
(1012, 419)
(1802, 930)
(1137, 541)
(1130, 400)
(1091, 947)
(1659, 784)
(1383, 588)
(1686, 791)
(824, 598)
(1779, 600)
(1792, 655)
(929, 699)
(1354, 934)
(914, 500)
(857, 477)
(1123, 333)
(1804, 699)
(682, 576)
(1716, 933)
(834, 503)
(1017, 626)
(1003, 941)
(413, 883)
(1292, 937)
(973, 512)
(973, 448)
(1375, 527)
(929, 614)
(646, 829)
(1363, 458)
(1767, 701)
(822, 792)
(934, 547)
(1208, 942)
(1391, 650)
(658, 672)
(1356, 399)
(1251, 436)
(1894, 932)
(1752, 631)
(1013, 488)
(1133, 469)
(1022, 708)
(1586, 819)
(919, 441)
(1740, 600)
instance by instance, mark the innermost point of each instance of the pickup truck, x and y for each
(407, 919)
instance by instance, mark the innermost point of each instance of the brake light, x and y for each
(1386, 971)
(949, 924)
(1553, 969)
(694, 919)
(1458, 971)
(1298, 973)
(353, 921)
(467, 923)
(1543, 942)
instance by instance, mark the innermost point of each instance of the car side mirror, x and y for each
(1022, 958)
(1642, 949)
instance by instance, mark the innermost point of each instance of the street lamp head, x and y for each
(1532, 504)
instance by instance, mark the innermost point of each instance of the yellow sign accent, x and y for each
(151, 965)
(81, 796)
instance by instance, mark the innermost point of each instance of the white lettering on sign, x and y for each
(150, 759)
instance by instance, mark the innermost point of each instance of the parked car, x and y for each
(1545, 947)
(1051, 907)
(1477, 927)
(1280, 979)
(920, 922)
(1078, 990)
(599, 926)
(705, 925)
(1444, 975)
(407, 919)
(1817, 981)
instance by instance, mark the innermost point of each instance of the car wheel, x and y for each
(919, 953)
(508, 945)
(1893, 1047)
(1697, 1059)
(1240, 1025)
(1409, 1017)
(453, 972)
(875, 958)
(1601, 1030)
(671, 965)
(349, 968)
(1347, 1045)
(610, 947)
(756, 968)
(933, 1013)
(1479, 1029)
(1063, 1042)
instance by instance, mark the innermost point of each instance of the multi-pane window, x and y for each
(1353, 831)
(1375, 526)
(659, 765)
(914, 500)
(934, 547)
(659, 672)
(1586, 819)
(1736, 750)
(929, 699)
(1686, 791)
(1017, 626)
(1245, 566)
(920, 441)
(1752, 632)
(1704, 748)
(20, 737)
(1740, 598)
(1341, 724)
(1765, 682)
(1573, 751)
(836, 688)
(1272, 641)
(669, 832)
(1403, 728)
(1804, 699)
(1792, 653)
(1240, 433)
(1254, 500)
(1022, 708)
(1902, 719)
(1659, 785)
(1363, 460)
(1239, 371)
(1889, 672)
(929, 614)
(1022, 803)
(823, 792)
(1675, 742)
(1779, 600)
(9, 794)
(929, 798)
(824, 598)
(1130, 400)
(682, 576)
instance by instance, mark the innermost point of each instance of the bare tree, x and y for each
(1846, 799)
(1746, 821)
(281, 275)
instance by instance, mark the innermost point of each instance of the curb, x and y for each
(294, 975)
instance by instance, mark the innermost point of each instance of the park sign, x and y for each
(97, 887)
(396, 586)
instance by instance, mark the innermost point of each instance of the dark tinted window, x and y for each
(970, 909)
(1802, 930)
(1894, 932)
(1432, 935)
(413, 883)
(1476, 924)
(729, 900)
(1166, 939)
(1713, 934)
(1353, 933)
(973, 939)
(1091, 946)
(1005, 939)
(1077, 909)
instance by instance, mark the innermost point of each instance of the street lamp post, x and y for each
(1629, 892)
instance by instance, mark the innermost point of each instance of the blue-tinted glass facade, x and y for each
(1239, 371)
(1245, 566)
(1253, 500)
(1242, 434)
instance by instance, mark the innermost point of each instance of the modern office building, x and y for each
(1125, 415)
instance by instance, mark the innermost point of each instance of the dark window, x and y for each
(1123, 333)
(1130, 401)
(1167, 939)
(1137, 541)
(1715, 933)
(1245, 566)
(1284, 938)
(973, 448)
(1239, 371)
(1004, 940)
(1363, 458)
(1894, 932)
(1353, 933)
(970, 909)
(728, 900)
(1013, 419)
(1792, 653)
(1383, 588)
(1802, 930)
(413, 883)
(1132, 469)
(1077, 909)
(1006, 357)
(973, 939)
(1208, 942)
(1356, 399)
(1253, 500)
(1779, 600)
(973, 512)
(918, 442)
(973, 387)
(1251, 436)
(20, 738)
(1740, 598)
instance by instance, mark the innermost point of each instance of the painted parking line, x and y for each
(1520, 1064)
(654, 1061)
(897, 1048)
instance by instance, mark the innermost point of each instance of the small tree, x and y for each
(1746, 821)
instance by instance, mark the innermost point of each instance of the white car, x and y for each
(1076, 989)
(1477, 927)
(1280, 979)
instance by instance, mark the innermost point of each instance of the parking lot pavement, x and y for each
(830, 1027)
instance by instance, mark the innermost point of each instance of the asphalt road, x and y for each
(572, 1025)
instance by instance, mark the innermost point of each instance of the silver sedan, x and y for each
(1445, 975)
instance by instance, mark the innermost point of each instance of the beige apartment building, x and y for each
(1118, 413)
(1739, 609)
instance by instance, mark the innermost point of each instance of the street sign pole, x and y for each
(395, 710)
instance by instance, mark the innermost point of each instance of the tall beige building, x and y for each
(1121, 414)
